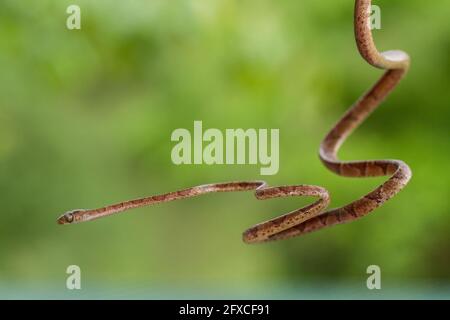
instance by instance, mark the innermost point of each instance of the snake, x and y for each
(312, 217)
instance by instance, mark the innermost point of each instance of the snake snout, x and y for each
(64, 219)
(68, 217)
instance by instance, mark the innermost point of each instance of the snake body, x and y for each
(312, 217)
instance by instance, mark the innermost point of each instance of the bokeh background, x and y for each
(86, 118)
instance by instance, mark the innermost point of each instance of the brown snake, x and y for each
(312, 217)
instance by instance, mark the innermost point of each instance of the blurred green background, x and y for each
(86, 117)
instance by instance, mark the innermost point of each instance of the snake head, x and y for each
(71, 216)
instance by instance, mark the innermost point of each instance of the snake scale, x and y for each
(312, 217)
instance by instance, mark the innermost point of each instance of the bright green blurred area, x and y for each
(86, 118)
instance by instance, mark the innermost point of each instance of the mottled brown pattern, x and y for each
(312, 217)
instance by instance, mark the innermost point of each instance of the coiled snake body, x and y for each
(312, 217)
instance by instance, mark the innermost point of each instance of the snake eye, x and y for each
(69, 217)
